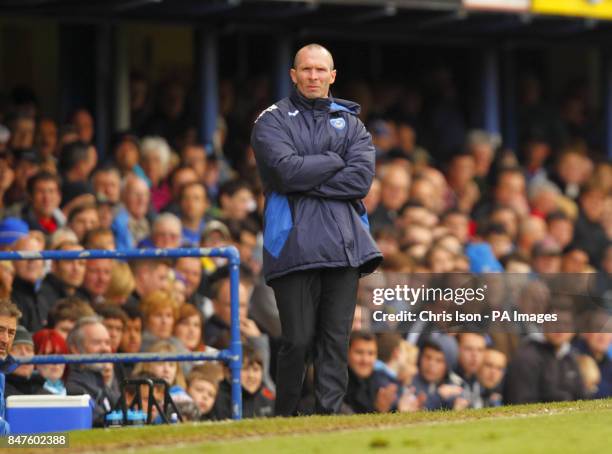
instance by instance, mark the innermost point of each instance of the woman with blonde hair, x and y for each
(170, 371)
(121, 285)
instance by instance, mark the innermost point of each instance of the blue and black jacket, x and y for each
(316, 161)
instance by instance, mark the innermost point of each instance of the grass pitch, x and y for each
(570, 427)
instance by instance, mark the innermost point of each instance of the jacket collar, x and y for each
(8, 365)
(304, 103)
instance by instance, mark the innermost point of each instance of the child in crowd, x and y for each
(50, 342)
(203, 386)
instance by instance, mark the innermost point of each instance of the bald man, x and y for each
(316, 161)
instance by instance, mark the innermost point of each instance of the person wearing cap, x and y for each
(215, 234)
(24, 380)
(9, 316)
(316, 161)
(11, 229)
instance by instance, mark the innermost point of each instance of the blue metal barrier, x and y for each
(232, 356)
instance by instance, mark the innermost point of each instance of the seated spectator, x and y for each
(203, 387)
(591, 376)
(390, 361)
(544, 370)
(166, 233)
(257, 400)
(107, 182)
(24, 379)
(472, 348)
(169, 371)
(99, 238)
(155, 161)
(83, 218)
(26, 163)
(461, 176)
(149, 276)
(65, 278)
(589, 233)
(84, 125)
(7, 276)
(436, 385)
(395, 189)
(193, 204)
(363, 394)
(51, 342)
(90, 336)
(27, 275)
(126, 153)
(131, 341)
(560, 228)
(131, 224)
(11, 229)
(189, 327)
(597, 346)
(98, 274)
(236, 200)
(115, 321)
(191, 269)
(575, 260)
(74, 166)
(546, 257)
(490, 376)
(181, 176)
(216, 234)
(65, 313)
(121, 284)
(159, 312)
(42, 209)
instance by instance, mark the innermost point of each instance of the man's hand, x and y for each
(248, 328)
(385, 398)
(449, 391)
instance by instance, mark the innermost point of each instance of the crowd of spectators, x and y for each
(440, 189)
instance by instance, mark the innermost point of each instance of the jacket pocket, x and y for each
(278, 223)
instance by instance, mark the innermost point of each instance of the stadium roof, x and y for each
(394, 20)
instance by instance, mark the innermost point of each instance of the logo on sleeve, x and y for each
(338, 123)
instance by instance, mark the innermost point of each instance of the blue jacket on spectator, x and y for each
(7, 366)
(314, 217)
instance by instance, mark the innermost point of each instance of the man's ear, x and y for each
(333, 76)
(293, 75)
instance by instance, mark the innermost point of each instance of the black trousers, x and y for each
(316, 309)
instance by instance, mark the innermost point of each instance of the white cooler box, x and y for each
(48, 413)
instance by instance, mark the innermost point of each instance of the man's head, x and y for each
(194, 156)
(83, 218)
(136, 196)
(70, 272)
(107, 181)
(23, 345)
(150, 275)
(313, 71)
(9, 315)
(395, 187)
(362, 353)
(74, 162)
(98, 275)
(390, 350)
(131, 340)
(493, 368)
(191, 269)
(221, 299)
(236, 200)
(180, 177)
(44, 192)
(84, 123)
(193, 201)
(167, 231)
(89, 335)
(471, 352)
(510, 187)
(115, 321)
(432, 363)
(29, 270)
(66, 312)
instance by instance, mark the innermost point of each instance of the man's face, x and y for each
(191, 268)
(45, 198)
(238, 206)
(109, 184)
(167, 234)
(8, 328)
(395, 188)
(29, 270)
(23, 350)
(96, 339)
(493, 369)
(152, 278)
(361, 357)
(592, 203)
(562, 230)
(195, 157)
(131, 339)
(71, 272)
(313, 73)
(85, 221)
(511, 187)
(222, 303)
(598, 343)
(136, 197)
(182, 178)
(193, 202)
(98, 275)
(114, 326)
(433, 365)
(471, 352)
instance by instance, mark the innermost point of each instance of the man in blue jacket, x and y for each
(9, 313)
(316, 161)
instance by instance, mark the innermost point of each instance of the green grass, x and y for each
(571, 427)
